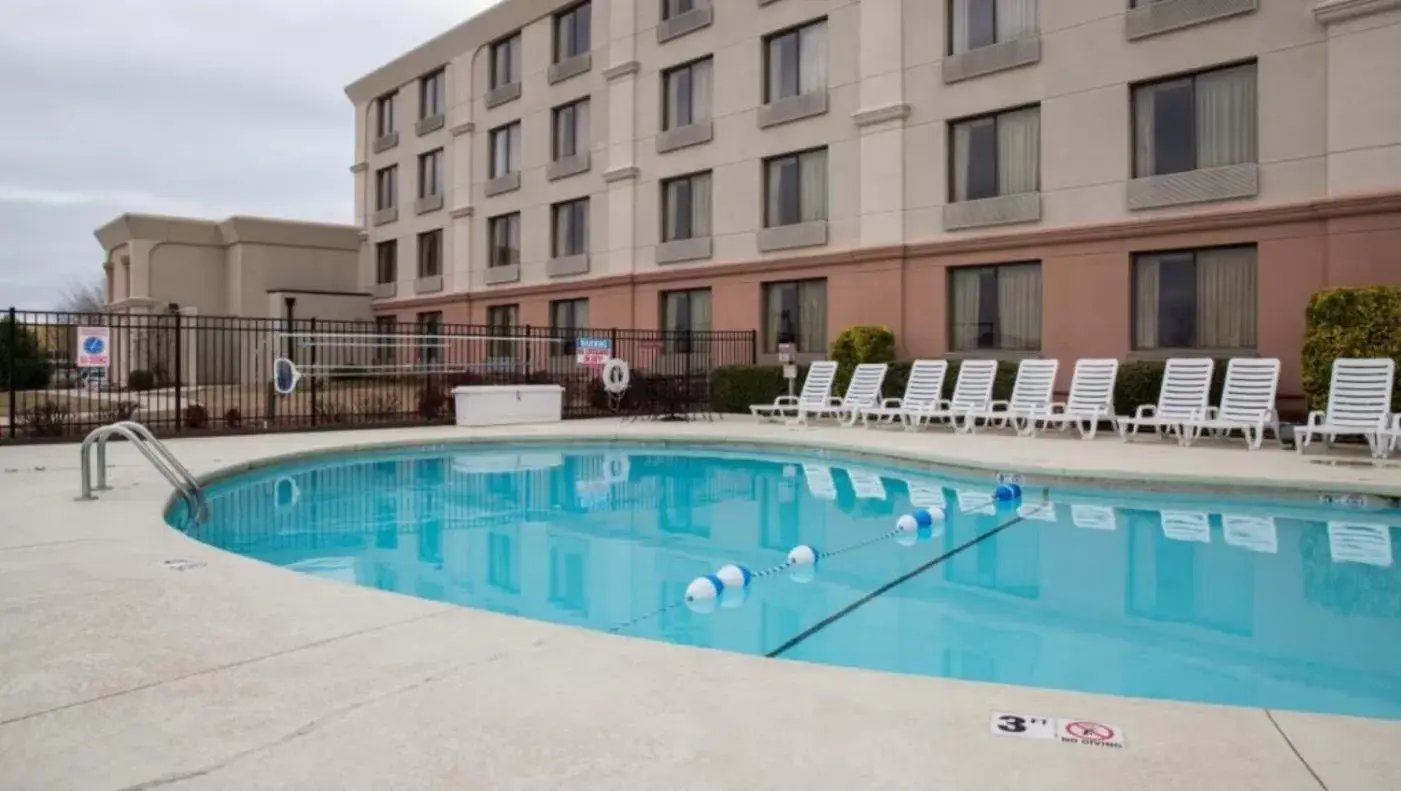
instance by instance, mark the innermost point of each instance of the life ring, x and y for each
(616, 376)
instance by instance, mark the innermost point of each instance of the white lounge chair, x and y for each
(1392, 436)
(1359, 404)
(1091, 399)
(816, 393)
(1247, 403)
(1031, 396)
(923, 390)
(1182, 399)
(862, 392)
(971, 393)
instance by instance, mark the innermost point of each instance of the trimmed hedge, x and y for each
(1349, 322)
(734, 387)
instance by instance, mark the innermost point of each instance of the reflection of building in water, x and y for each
(1143, 590)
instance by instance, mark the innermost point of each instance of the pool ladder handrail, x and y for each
(153, 449)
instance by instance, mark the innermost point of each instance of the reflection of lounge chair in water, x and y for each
(867, 484)
(820, 482)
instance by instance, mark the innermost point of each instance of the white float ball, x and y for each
(731, 599)
(802, 574)
(907, 539)
(936, 514)
(701, 606)
(733, 576)
(906, 524)
(703, 588)
(802, 555)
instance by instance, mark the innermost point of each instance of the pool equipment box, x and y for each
(508, 405)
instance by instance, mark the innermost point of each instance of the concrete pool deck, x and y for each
(122, 670)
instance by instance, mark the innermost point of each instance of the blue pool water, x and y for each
(1291, 605)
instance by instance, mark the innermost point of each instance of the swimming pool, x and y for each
(1291, 605)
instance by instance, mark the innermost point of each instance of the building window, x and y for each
(686, 94)
(385, 326)
(1195, 299)
(505, 149)
(795, 188)
(384, 115)
(387, 262)
(796, 309)
(431, 96)
(430, 347)
(795, 61)
(683, 313)
(996, 155)
(571, 130)
(686, 207)
(506, 61)
(501, 322)
(430, 174)
(572, 32)
(981, 23)
(568, 318)
(505, 232)
(671, 8)
(430, 253)
(995, 307)
(1204, 120)
(570, 228)
(386, 179)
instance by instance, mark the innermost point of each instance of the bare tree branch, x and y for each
(85, 296)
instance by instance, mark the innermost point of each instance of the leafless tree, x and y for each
(84, 296)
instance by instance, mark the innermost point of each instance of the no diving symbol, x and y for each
(1090, 731)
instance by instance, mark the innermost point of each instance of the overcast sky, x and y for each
(205, 108)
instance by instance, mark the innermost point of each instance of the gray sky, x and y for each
(204, 108)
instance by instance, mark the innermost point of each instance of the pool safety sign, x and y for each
(1065, 731)
(593, 351)
(94, 347)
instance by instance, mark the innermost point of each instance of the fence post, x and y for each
(10, 365)
(313, 377)
(179, 371)
(753, 347)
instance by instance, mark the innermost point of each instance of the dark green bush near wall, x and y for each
(734, 387)
(857, 345)
(1349, 322)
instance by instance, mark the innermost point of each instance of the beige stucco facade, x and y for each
(1319, 198)
(203, 270)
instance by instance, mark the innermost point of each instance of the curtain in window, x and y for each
(700, 205)
(678, 99)
(1019, 307)
(1015, 19)
(1144, 163)
(773, 314)
(781, 172)
(701, 91)
(958, 20)
(1145, 306)
(782, 67)
(1019, 152)
(967, 298)
(1226, 298)
(1226, 117)
(677, 201)
(962, 148)
(565, 124)
(581, 127)
(812, 58)
(813, 182)
(812, 316)
(700, 311)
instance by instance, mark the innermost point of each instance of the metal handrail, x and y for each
(150, 447)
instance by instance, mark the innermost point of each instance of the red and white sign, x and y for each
(94, 347)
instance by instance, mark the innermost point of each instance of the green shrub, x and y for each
(857, 345)
(1140, 380)
(23, 355)
(233, 418)
(734, 387)
(196, 416)
(1349, 322)
(47, 419)
(141, 379)
(1001, 384)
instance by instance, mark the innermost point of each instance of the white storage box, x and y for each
(507, 405)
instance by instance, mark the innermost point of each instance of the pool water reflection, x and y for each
(1294, 606)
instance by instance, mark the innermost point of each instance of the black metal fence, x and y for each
(68, 373)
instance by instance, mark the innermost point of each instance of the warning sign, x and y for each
(1065, 731)
(93, 347)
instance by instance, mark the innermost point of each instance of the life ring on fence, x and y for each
(616, 376)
